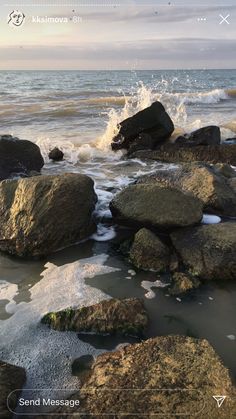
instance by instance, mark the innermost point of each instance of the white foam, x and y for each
(148, 285)
(104, 233)
(231, 337)
(47, 354)
(210, 219)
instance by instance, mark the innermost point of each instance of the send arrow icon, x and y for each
(219, 400)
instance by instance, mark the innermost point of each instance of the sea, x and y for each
(78, 111)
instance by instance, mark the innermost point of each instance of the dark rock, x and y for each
(225, 170)
(124, 317)
(147, 205)
(182, 283)
(56, 154)
(11, 378)
(153, 121)
(148, 252)
(42, 214)
(18, 157)
(202, 181)
(232, 184)
(208, 251)
(174, 153)
(81, 367)
(204, 136)
(186, 371)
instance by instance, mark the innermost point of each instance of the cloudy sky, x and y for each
(127, 35)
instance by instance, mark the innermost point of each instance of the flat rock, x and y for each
(124, 317)
(11, 378)
(186, 371)
(153, 121)
(148, 252)
(153, 206)
(175, 153)
(18, 157)
(42, 214)
(208, 251)
(202, 181)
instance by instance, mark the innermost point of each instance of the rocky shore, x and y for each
(168, 234)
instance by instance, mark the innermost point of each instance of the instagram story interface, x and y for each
(117, 209)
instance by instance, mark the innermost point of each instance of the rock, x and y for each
(225, 170)
(18, 157)
(148, 252)
(81, 367)
(167, 375)
(204, 136)
(208, 251)
(56, 154)
(125, 317)
(153, 121)
(42, 214)
(232, 184)
(202, 181)
(154, 206)
(11, 378)
(175, 153)
(183, 282)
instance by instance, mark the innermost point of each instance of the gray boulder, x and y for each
(153, 121)
(42, 214)
(147, 205)
(18, 157)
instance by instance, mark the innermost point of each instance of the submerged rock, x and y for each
(18, 157)
(42, 214)
(182, 283)
(202, 181)
(148, 252)
(11, 378)
(153, 206)
(125, 317)
(175, 153)
(56, 154)
(153, 121)
(208, 251)
(204, 136)
(169, 375)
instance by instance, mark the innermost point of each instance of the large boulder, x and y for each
(153, 121)
(204, 136)
(153, 206)
(202, 181)
(148, 252)
(175, 153)
(208, 251)
(126, 317)
(169, 376)
(11, 378)
(18, 157)
(42, 214)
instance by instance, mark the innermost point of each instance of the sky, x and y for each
(122, 34)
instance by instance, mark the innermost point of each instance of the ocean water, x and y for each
(78, 111)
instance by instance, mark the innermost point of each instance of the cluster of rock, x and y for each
(40, 214)
(167, 207)
(150, 134)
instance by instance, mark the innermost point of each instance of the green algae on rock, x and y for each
(125, 317)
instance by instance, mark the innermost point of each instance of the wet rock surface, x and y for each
(127, 381)
(148, 252)
(124, 317)
(42, 214)
(18, 157)
(149, 205)
(204, 136)
(208, 251)
(56, 154)
(153, 121)
(175, 153)
(202, 181)
(11, 378)
(182, 283)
